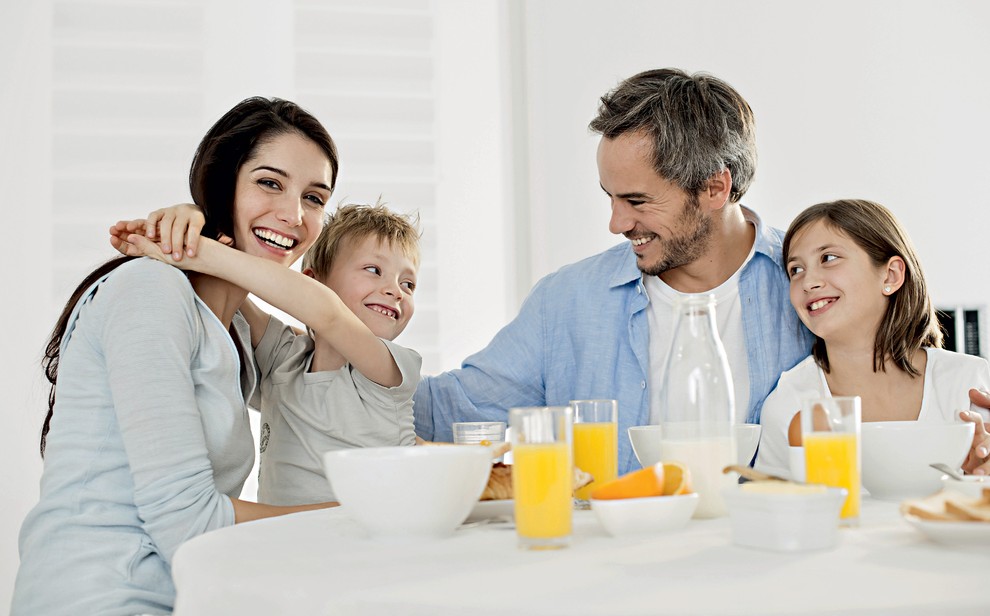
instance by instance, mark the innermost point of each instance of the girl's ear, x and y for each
(894, 275)
(309, 272)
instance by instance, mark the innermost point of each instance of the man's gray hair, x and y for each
(699, 126)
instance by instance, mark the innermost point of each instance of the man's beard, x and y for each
(682, 250)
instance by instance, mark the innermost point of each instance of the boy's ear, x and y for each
(896, 271)
(309, 272)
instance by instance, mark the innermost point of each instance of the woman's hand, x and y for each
(978, 460)
(177, 227)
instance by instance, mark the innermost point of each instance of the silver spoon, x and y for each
(948, 470)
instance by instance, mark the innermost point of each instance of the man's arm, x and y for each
(300, 296)
(507, 373)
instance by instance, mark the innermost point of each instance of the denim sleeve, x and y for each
(509, 372)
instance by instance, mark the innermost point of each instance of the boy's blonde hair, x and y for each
(357, 221)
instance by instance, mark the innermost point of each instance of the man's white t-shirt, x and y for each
(728, 320)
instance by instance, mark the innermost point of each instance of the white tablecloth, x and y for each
(322, 563)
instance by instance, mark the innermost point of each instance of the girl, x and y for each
(147, 441)
(856, 283)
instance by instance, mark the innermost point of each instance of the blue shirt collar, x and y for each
(766, 244)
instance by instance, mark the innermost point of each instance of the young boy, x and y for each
(314, 398)
(345, 384)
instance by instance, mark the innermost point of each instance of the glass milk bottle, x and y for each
(697, 411)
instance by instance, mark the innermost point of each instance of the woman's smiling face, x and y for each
(280, 197)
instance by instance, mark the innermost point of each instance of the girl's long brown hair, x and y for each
(910, 322)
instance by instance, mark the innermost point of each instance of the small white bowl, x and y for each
(645, 442)
(971, 485)
(408, 491)
(896, 455)
(784, 522)
(652, 514)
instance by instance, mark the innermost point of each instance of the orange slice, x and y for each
(637, 484)
(676, 479)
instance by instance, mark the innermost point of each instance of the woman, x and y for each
(147, 441)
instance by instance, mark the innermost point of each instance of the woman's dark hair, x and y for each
(234, 139)
(212, 180)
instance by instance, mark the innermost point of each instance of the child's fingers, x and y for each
(140, 246)
(119, 244)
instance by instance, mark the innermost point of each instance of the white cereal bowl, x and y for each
(645, 442)
(970, 485)
(637, 516)
(408, 491)
(784, 522)
(896, 456)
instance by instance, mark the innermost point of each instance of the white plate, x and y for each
(952, 533)
(488, 509)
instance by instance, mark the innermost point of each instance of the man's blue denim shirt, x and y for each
(583, 333)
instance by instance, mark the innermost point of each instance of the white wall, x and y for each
(880, 99)
(25, 139)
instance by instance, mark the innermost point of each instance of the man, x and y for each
(677, 154)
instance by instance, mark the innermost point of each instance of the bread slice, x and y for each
(499, 483)
(949, 506)
(968, 509)
(932, 508)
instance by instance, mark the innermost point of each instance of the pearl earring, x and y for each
(886, 288)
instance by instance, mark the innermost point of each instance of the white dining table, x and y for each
(322, 562)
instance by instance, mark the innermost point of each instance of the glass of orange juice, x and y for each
(542, 475)
(596, 444)
(830, 430)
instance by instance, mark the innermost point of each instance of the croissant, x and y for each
(500, 482)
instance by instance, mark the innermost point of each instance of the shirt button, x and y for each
(642, 384)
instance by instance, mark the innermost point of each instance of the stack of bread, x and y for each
(950, 506)
(500, 480)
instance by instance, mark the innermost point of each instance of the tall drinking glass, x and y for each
(830, 430)
(596, 444)
(542, 475)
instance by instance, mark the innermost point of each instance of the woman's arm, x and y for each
(246, 511)
(311, 302)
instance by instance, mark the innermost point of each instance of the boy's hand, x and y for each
(123, 228)
(177, 228)
(137, 245)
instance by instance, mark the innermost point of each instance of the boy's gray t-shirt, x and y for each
(305, 414)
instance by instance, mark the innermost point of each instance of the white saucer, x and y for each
(952, 533)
